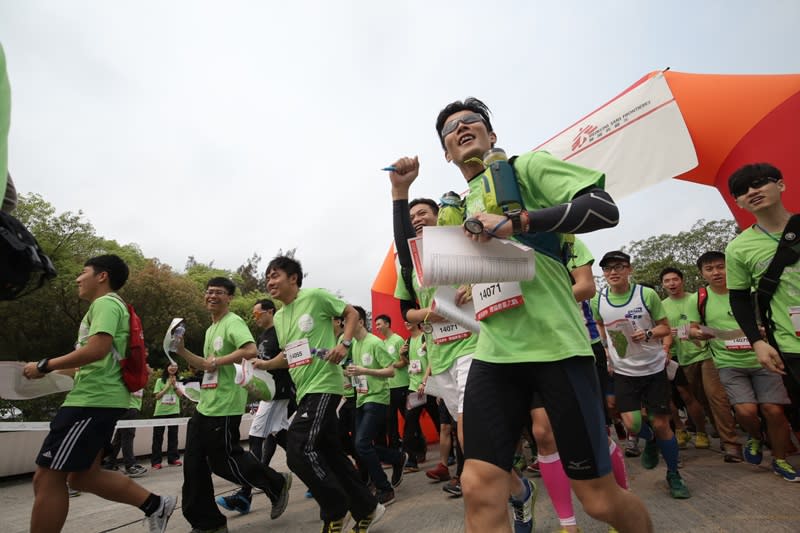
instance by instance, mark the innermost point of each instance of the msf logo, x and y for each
(583, 136)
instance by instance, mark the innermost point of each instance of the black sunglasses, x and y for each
(452, 125)
(755, 183)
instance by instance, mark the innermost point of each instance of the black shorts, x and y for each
(497, 402)
(444, 414)
(77, 435)
(680, 378)
(635, 392)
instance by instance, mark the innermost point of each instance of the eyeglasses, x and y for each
(216, 292)
(755, 183)
(619, 267)
(452, 125)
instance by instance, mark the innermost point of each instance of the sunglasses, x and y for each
(452, 125)
(755, 183)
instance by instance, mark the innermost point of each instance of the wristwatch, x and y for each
(516, 221)
(347, 344)
(41, 366)
(648, 334)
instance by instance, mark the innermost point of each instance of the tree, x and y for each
(650, 256)
(252, 279)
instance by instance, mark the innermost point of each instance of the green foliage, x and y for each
(650, 256)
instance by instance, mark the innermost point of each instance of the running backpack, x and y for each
(20, 259)
(134, 364)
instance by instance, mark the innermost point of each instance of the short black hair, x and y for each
(708, 257)
(385, 318)
(223, 282)
(113, 265)
(746, 174)
(426, 201)
(670, 270)
(362, 314)
(266, 304)
(469, 104)
(289, 265)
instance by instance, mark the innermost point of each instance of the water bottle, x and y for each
(504, 181)
(177, 335)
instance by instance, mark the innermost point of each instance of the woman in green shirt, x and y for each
(168, 405)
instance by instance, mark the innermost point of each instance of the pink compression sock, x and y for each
(618, 464)
(557, 487)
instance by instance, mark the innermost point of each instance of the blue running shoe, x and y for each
(235, 502)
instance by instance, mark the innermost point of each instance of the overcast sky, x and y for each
(222, 129)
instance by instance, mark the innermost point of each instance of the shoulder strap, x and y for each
(788, 253)
(702, 299)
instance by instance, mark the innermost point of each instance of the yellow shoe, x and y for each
(683, 438)
(611, 529)
(701, 441)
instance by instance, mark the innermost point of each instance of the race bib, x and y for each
(361, 384)
(794, 314)
(444, 332)
(168, 399)
(415, 366)
(298, 353)
(740, 343)
(493, 298)
(210, 380)
(682, 332)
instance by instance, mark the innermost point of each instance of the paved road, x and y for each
(726, 498)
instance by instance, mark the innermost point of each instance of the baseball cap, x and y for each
(616, 255)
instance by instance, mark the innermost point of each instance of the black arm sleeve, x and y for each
(403, 230)
(590, 210)
(405, 307)
(744, 313)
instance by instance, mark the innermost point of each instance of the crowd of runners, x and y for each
(585, 377)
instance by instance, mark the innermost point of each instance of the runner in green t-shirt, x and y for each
(398, 384)
(167, 397)
(312, 353)
(83, 425)
(697, 379)
(372, 367)
(414, 441)
(518, 348)
(750, 388)
(758, 189)
(212, 436)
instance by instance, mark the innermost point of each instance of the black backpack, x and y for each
(20, 259)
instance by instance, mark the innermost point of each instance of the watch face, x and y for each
(427, 327)
(474, 226)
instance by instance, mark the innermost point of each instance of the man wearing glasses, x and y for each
(540, 346)
(758, 189)
(635, 320)
(212, 436)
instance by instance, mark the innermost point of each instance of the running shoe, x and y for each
(398, 469)
(677, 487)
(632, 447)
(650, 455)
(135, 471)
(235, 502)
(363, 525)
(220, 529)
(438, 473)
(524, 519)
(533, 468)
(411, 466)
(176, 462)
(453, 487)
(72, 492)
(701, 441)
(156, 466)
(157, 522)
(334, 526)
(385, 497)
(782, 468)
(753, 453)
(279, 505)
(683, 438)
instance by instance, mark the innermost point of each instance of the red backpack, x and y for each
(134, 365)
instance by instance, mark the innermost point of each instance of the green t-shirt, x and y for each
(549, 327)
(5, 121)
(417, 362)
(222, 338)
(136, 399)
(99, 384)
(678, 310)
(309, 317)
(746, 259)
(169, 404)
(720, 316)
(581, 256)
(370, 352)
(442, 356)
(393, 345)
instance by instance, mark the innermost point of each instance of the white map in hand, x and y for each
(15, 386)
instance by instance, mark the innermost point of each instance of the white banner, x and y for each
(638, 139)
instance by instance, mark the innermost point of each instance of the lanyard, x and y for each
(768, 234)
